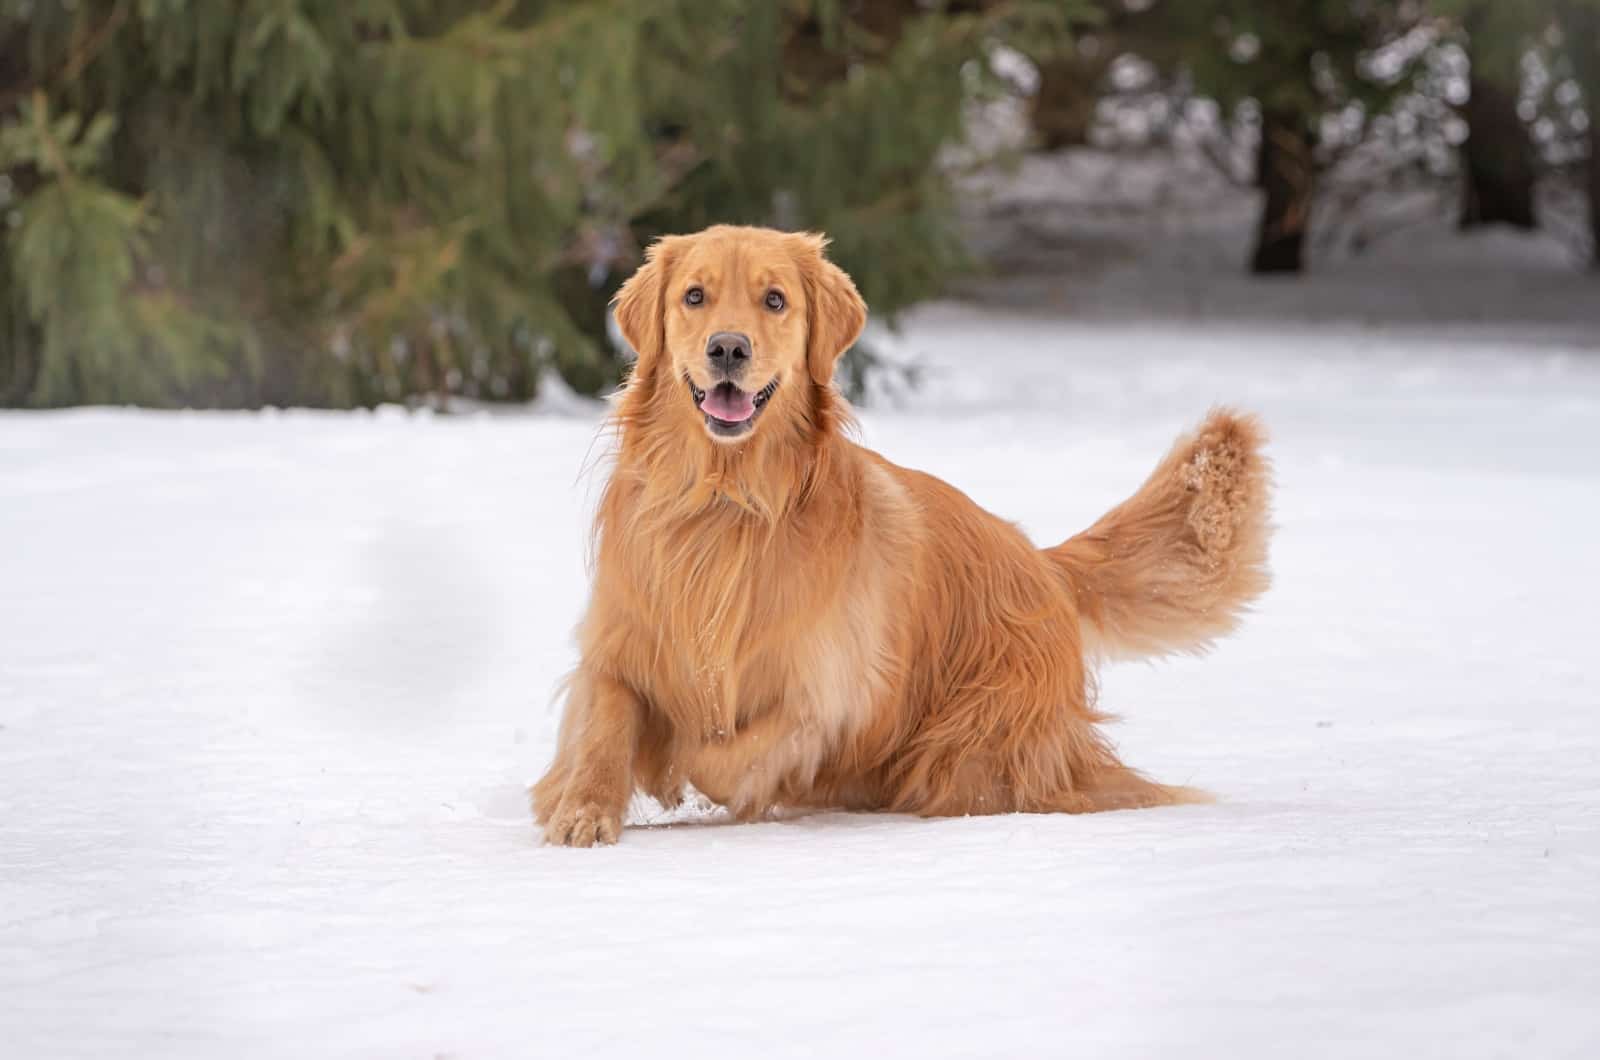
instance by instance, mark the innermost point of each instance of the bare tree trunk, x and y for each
(19, 338)
(1591, 67)
(19, 367)
(1063, 109)
(1594, 194)
(19, 360)
(1497, 159)
(1580, 25)
(1286, 172)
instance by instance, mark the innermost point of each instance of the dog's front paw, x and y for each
(582, 825)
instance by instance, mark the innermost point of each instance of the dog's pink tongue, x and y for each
(728, 403)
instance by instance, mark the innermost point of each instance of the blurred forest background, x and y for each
(344, 202)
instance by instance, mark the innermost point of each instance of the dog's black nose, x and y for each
(728, 350)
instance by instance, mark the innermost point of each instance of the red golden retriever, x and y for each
(782, 618)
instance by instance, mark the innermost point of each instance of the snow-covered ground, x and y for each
(271, 688)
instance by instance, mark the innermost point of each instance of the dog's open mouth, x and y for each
(729, 411)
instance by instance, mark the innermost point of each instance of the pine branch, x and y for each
(78, 59)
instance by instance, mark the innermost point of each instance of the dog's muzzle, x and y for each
(730, 411)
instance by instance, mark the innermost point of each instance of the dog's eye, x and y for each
(775, 301)
(694, 296)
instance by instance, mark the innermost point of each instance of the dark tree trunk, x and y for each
(1580, 24)
(1497, 159)
(19, 363)
(19, 338)
(1063, 109)
(1287, 175)
(1594, 196)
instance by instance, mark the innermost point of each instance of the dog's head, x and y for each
(743, 323)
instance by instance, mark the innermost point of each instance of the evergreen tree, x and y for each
(295, 201)
(1064, 107)
(1296, 62)
(1500, 161)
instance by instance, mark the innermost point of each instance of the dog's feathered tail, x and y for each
(1174, 566)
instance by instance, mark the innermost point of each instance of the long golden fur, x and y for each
(787, 619)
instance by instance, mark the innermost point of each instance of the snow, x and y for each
(1164, 236)
(272, 686)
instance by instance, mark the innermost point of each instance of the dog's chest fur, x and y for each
(740, 618)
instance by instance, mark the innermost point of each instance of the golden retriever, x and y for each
(782, 618)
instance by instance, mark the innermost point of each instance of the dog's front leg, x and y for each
(580, 801)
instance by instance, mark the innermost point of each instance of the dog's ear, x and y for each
(640, 305)
(835, 315)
